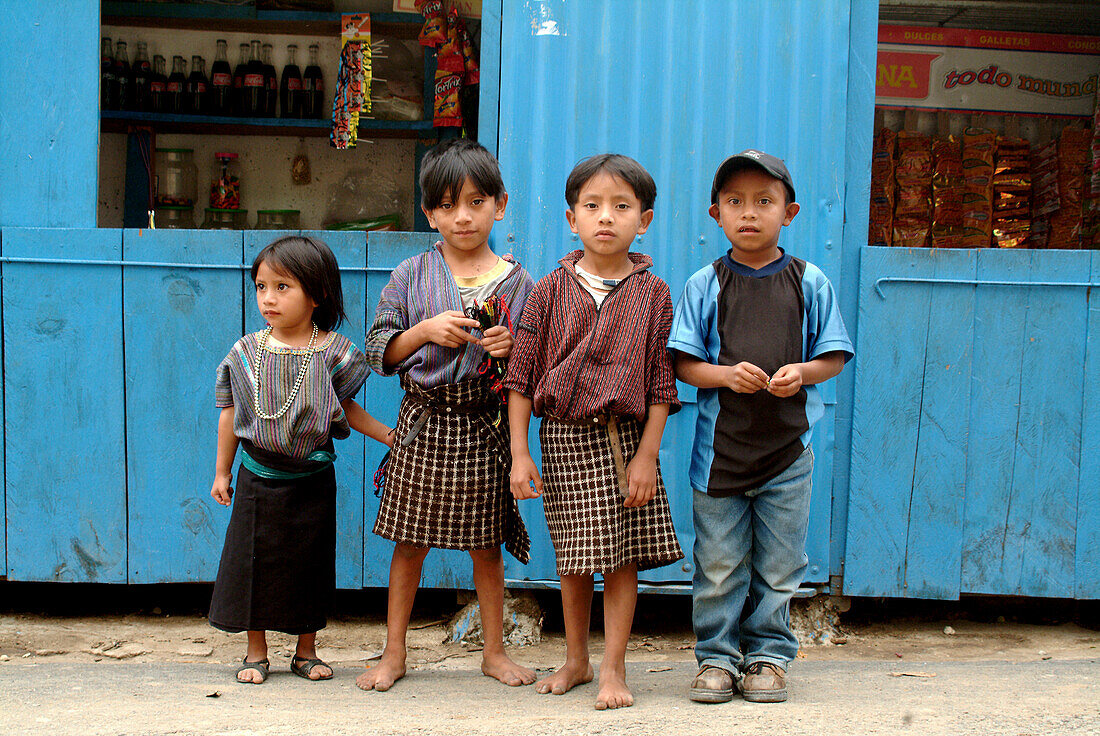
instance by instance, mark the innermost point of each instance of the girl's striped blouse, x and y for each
(576, 361)
(336, 374)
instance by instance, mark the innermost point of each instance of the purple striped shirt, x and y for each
(420, 288)
(336, 373)
(575, 361)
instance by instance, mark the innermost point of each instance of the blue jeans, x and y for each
(750, 556)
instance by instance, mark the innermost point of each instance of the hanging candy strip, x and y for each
(490, 313)
(352, 96)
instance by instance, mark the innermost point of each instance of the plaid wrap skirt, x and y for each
(591, 530)
(447, 486)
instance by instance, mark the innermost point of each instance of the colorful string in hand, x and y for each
(491, 313)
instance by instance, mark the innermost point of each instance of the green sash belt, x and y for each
(324, 457)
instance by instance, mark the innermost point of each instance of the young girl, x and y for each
(285, 393)
(447, 481)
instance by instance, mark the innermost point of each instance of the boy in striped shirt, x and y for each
(590, 358)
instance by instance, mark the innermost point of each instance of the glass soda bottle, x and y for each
(121, 68)
(198, 87)
(271, 84)
(313, 86)
(221, 82)
(108, 89)
(238, 81)
(175, 91)
(143, 74)
(254, 83)
(290, 89)
(158, 86)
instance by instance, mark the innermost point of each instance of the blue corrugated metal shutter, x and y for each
(678, 85)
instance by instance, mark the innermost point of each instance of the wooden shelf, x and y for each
(119, 121)
(246, 19)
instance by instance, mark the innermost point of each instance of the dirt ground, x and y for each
(100, 623)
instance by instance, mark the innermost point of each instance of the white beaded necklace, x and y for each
(297, 383)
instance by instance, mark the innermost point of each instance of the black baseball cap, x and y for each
(751, 158)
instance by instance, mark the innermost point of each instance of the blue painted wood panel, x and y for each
(178, 325)
(350, 251)
(995, 490)
(1087, 563)
(49, 133)
(889, 374)
(3, 489)
(934, 535)
(63, 395)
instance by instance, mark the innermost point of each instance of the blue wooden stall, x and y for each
(960, 452)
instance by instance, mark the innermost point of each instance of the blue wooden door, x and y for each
(678, 85)
(178, 325)
(64, 443)
(975, 444)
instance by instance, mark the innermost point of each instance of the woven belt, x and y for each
(427, 409)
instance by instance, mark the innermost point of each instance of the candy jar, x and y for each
(225, 189)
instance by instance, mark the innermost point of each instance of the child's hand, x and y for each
(387, 439)
(449, 329)
(786, 381)
(497, 341)
(524, 473)
(222, 491)
(746, 378)
(641, 479)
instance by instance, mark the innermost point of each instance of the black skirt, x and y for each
(278, 565)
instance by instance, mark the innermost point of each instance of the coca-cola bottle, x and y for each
(238, 81)
(175, 91)
(290, 88)
(121, 68)
(254, 83)
(158, 86)
(108, 87)
(198, 88)
(221, 82)
(271, 84)
(313, 86)
(143, 74)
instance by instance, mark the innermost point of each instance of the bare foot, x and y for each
(565, 678)
(382, 676)
(504, 669)
(613, 691)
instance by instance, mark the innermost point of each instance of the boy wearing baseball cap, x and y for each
(755, 331)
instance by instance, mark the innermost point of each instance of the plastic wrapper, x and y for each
(447, 111)
(1044, 180)
(947, 193)
(471, 70)
(911, 233)
(979, 143)
(450, 51)
(434, 32)
(914, 158)
(881, 221)
(913, 201)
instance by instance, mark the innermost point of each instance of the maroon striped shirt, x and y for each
(575, 361)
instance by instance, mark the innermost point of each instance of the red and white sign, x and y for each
(996, 71)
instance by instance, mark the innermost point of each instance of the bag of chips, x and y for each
(434, 32)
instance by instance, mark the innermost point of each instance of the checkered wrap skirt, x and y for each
(591, 530)
(448, 487)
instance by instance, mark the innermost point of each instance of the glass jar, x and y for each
(176, 177)
(171, 216)
(277, 219)
(220, 218)
(225, 186)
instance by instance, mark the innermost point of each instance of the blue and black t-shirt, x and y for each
(785, 312)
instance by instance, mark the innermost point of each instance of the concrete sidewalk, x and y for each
(960, 698)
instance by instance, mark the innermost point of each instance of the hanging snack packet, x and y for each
(352, 97)
(469, 54)
(434, 32)
(447, 111)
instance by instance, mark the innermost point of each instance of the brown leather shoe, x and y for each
(764, 683)
(712, 685)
